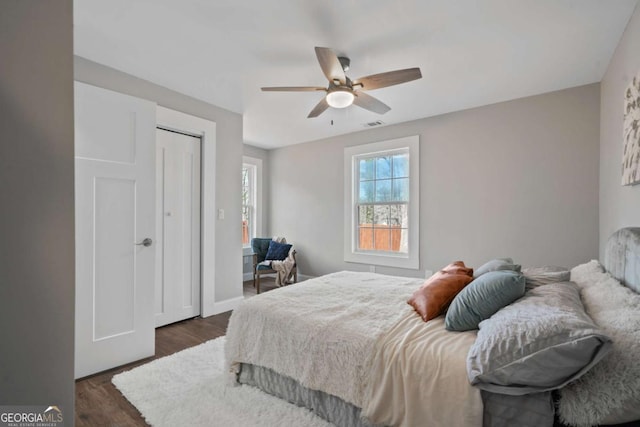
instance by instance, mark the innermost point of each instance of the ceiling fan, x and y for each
(342, 91)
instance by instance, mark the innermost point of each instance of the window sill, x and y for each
(384, 260)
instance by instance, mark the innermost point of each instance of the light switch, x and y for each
(220, 213)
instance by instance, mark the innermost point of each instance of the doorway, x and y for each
(178, 205)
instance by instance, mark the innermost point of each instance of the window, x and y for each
(251, 199)
(381, 203)
(248, 204)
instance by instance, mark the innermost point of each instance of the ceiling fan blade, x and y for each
(319, 109)
(370, 103)
(293, 89)
(390, 78)
(330, 65)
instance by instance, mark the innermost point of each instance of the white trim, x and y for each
(254, 161)
(206, 130)
(247, 276)
(412, 259)
(226, 305)
(303, 277)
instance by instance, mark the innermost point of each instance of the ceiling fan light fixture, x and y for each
(340, 98)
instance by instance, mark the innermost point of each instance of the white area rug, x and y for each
(190, 388)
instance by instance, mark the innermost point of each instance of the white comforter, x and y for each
(342, 334)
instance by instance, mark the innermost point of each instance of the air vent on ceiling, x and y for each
(372, 124)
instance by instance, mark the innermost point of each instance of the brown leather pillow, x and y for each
(435, 295)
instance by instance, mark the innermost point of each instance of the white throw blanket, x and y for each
(321, 331)
(610, 391)
(325, 333)
(283, 269)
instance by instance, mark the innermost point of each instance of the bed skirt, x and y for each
(326, 406)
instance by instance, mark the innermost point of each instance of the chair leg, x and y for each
(258, 284)
(295, 275)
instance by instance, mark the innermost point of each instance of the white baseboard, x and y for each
(247, 276)
(226, 305)
(302, 277)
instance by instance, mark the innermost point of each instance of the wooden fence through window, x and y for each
(245, 232)
(386, 238)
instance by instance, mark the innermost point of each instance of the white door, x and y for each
(177, 289)
(115, 213)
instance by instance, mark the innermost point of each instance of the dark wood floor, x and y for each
(99, 403)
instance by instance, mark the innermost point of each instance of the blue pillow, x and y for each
(483, 297)
(277, 251)
(494, 265)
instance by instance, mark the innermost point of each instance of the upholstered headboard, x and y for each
(622, 257)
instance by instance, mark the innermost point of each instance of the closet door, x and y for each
(177, 290)
(115, 227)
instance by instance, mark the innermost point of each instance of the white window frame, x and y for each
(409, 260)
(255, 165)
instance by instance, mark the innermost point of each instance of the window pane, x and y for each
(401, 166)
(365, 216)
(365, 238)
(366, 192)
(381, 215)
(246, 225)
(245, 186)
(399, 217)
(403, 246)
(383, 167)
(366, 169)
(383, 190)
(382, 239)
(401, 190)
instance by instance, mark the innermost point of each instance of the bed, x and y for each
(349, 347)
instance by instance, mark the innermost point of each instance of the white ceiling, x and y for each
(471, 53)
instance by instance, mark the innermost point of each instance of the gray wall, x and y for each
(519, 179)
(228, 162)
(37, 255)
(619, 206)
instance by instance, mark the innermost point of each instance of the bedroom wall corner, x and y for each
(619, 205)
(517, 178)
(228, 264)
(37, 248)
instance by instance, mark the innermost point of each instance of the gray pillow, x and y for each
(495, 265)
(540, 342)
(538, 276)
(481, 298)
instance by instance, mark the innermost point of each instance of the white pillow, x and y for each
(614, 383)
(538, 276)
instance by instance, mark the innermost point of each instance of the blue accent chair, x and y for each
(260, 246)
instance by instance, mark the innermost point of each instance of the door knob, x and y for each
(146, 242)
